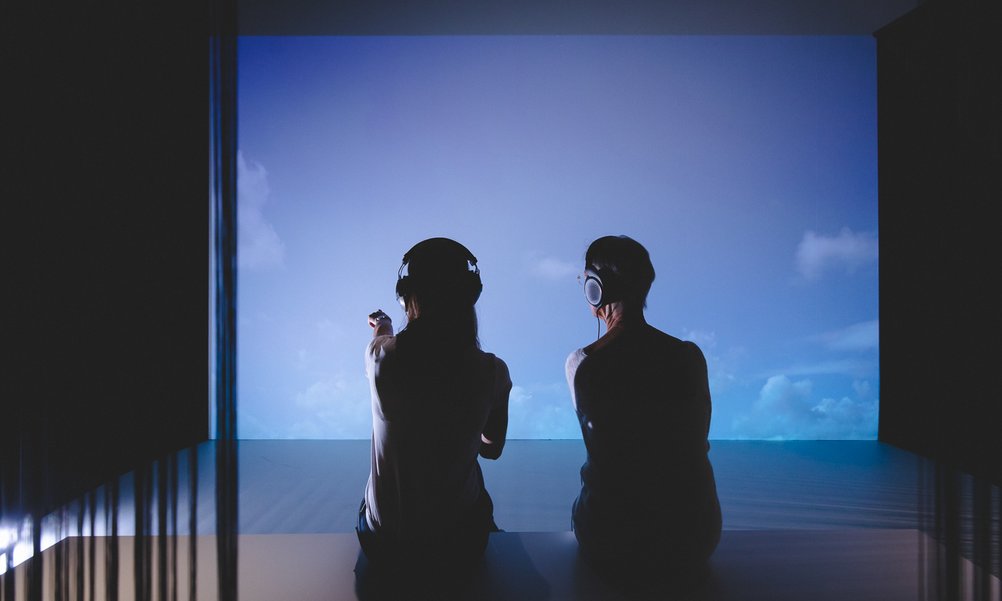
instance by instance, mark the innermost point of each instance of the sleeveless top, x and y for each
(643, 403)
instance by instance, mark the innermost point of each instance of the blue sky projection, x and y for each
(746, 165)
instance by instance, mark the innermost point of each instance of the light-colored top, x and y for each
(430, 416)
(571, 368)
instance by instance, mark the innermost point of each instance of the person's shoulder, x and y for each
(687, 348)
(673, 344)
(659, 337)
(491, 361)
(695, 352)
(501, 369)
(656, 336)
(573, 364)
(376, 354)
(574, 360)
(380, 347)
(496, 366)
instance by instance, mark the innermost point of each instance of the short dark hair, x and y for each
(628, 260)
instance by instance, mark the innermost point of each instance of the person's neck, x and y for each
(619, 317)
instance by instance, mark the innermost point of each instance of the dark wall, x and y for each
(940, 171)
(105, 241)
(603, 17)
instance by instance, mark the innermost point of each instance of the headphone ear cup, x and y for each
(593, 291)
(403, 290)
(476, 287)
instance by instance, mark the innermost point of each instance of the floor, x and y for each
(749, 565)
(314, 486)
(802, 519)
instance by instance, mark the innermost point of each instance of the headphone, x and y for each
(601, 286)
(467, 282)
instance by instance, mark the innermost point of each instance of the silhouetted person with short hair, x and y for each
(438, 402)
(648, 502)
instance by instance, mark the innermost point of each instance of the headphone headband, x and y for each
(470, 280)
(444, 245)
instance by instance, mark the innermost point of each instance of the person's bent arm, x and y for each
(492, 439)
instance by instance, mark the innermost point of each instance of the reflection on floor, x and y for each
(773, 565)
(820, 520)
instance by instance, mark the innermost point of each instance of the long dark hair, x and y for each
(443, 326)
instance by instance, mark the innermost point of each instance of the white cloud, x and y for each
(818, 253)
(704, 340)
(519, 396)
(258, 244)
(784, 397)
(720, 364)
(552, 268)
(322, 393)
(845, 418)
(858, 337)
(335, 407)
(861, 336)
(845, 367)
(786, 409)
(542, 411)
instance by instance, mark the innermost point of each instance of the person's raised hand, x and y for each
(377, 318)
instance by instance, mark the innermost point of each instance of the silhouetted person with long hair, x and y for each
(648, 502)
(438, 402)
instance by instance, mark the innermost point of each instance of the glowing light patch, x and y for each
(48, 539)
(21, 553)
(3, 563)
(7, 537)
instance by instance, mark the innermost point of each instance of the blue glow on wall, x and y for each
(746, 165)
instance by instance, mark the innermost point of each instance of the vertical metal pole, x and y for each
(223, 178)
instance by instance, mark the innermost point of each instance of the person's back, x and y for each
(438, 402)
(648, 497)
(430, 408)
(647, 486)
